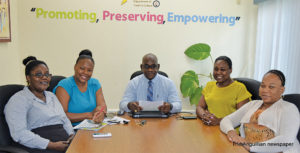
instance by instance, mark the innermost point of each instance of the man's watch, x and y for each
(171, 106)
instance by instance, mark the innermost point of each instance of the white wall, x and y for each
(118, 47)
(10, 53)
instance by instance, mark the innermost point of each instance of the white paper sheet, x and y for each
(150, 105)
(89, 125)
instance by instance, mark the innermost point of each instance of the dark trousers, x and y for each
(52, 132)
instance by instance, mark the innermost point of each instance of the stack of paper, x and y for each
(89, 125)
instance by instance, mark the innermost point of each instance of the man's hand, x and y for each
(59, 145)
(134, 106)
(165, 108)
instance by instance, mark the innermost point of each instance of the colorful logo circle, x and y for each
(156, 3)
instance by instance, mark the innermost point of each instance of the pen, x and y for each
(102, 108)
(98, 112)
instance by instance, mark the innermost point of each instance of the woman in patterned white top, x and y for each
(267, 125)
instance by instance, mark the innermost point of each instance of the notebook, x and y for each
(149, 114)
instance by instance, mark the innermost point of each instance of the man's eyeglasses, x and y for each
(146, 66)
(40, 75)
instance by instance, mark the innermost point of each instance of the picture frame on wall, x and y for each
(5, 30)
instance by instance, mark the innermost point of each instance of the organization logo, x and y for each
(143, 3)
(156, 3)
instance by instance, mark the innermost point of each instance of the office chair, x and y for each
(6, 142)
(295, 99)
(137, 73)
(54, 81)
(251, 85)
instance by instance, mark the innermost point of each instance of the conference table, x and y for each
(170, 135)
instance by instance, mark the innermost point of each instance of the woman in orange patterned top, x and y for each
(267, 125)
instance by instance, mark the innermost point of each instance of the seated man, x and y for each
(151, 86)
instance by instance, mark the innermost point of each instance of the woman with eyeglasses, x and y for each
(222, 96)
(267, 125)
(35, 117)
(81, 95)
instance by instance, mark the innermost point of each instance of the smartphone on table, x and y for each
(101, 135)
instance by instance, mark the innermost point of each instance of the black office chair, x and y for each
(251, 85)
(137, 73)
(54, 81)
(295, 99)
(6, 142)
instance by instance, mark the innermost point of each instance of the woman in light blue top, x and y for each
(80, 95)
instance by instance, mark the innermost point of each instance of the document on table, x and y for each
(150, 105)
(89, 125)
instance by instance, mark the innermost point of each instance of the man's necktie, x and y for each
(150, 91)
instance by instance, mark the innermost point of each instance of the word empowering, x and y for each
(202, 19)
